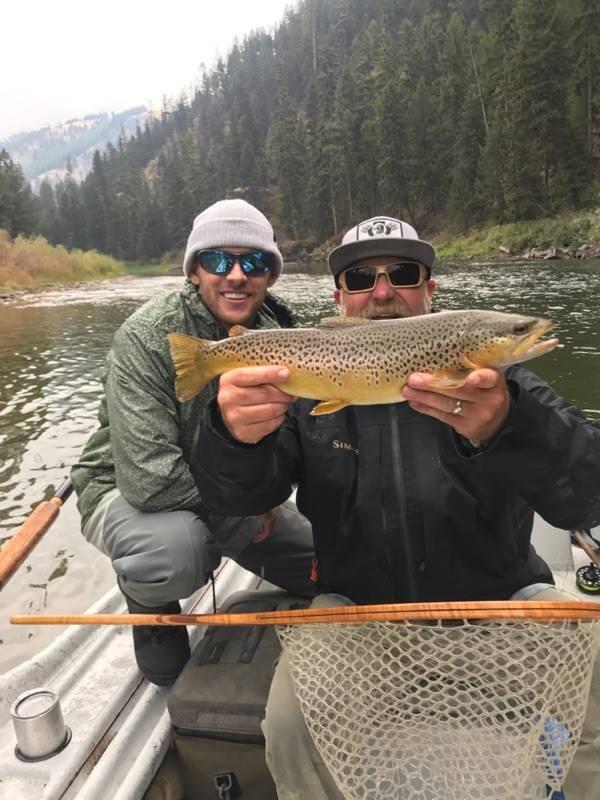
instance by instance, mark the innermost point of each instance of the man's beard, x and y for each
(394, 309)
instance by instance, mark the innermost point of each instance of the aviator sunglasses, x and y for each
(402, 275)
(220, 262)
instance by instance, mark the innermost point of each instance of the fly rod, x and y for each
(542, 611)
(16, 550)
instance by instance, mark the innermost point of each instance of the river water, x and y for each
(52, 349)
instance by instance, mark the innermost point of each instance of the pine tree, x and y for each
(96, 201)
(542, 94)
(18, 208)
(151, 242)
(464, 203)
(287, 160)
(48, 224)
(171, 193)
(585, 45)
(71, 212)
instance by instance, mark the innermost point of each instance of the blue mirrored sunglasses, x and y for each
(220, 262)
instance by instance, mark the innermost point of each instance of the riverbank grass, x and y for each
(567, 232)
(35, 263)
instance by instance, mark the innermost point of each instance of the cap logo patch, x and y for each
(377, 228)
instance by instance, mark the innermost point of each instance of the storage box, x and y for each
(218, 702)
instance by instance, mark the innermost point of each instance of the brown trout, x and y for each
(347, 361)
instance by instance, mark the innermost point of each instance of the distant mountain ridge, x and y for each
(46, 153)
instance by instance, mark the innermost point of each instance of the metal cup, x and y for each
(39, 725)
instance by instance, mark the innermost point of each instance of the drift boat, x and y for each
(128, 739)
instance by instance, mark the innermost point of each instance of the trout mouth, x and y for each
(532, 345)
(521, 343)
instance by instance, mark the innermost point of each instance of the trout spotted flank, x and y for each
(346, 361)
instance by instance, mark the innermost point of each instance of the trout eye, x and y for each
(521, 327)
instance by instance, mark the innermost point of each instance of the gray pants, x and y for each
(161, 557)
(300, 774)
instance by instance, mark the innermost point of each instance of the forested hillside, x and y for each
(52, 151)
(448, 114)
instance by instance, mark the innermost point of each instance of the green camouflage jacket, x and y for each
(143, 443)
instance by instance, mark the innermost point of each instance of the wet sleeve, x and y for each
(548, 452)
(151, 471)
(242, 479)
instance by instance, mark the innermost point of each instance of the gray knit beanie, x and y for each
(231, 223)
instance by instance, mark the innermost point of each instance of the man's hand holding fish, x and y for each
(251, 405)
(476, 411)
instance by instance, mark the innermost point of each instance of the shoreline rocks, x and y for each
(556, 253)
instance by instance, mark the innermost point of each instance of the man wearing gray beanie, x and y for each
(138, 500)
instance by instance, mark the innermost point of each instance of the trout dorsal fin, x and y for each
(335, 322)
(237, 330)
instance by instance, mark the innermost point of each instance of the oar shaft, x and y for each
(16, 550)
(542, 611)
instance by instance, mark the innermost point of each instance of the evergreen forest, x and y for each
(450, 115)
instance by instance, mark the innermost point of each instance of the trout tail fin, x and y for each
(193, 365)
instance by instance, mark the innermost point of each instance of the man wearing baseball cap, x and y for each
(138, 500)
(432, 499)
(380, 236)
(382, 270)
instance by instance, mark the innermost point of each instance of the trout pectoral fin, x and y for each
(448, 378)
(328, 407)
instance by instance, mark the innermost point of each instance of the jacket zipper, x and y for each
(388, 558)
(398, 475)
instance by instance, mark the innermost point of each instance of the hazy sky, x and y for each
(66, 58)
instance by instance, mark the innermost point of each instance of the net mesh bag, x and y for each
(447, 710)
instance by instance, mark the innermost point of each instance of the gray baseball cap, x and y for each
(231, 223)
(380, 236)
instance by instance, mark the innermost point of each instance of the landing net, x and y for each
(450, 710)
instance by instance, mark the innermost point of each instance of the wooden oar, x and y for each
(543, 611)
(16, 550)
